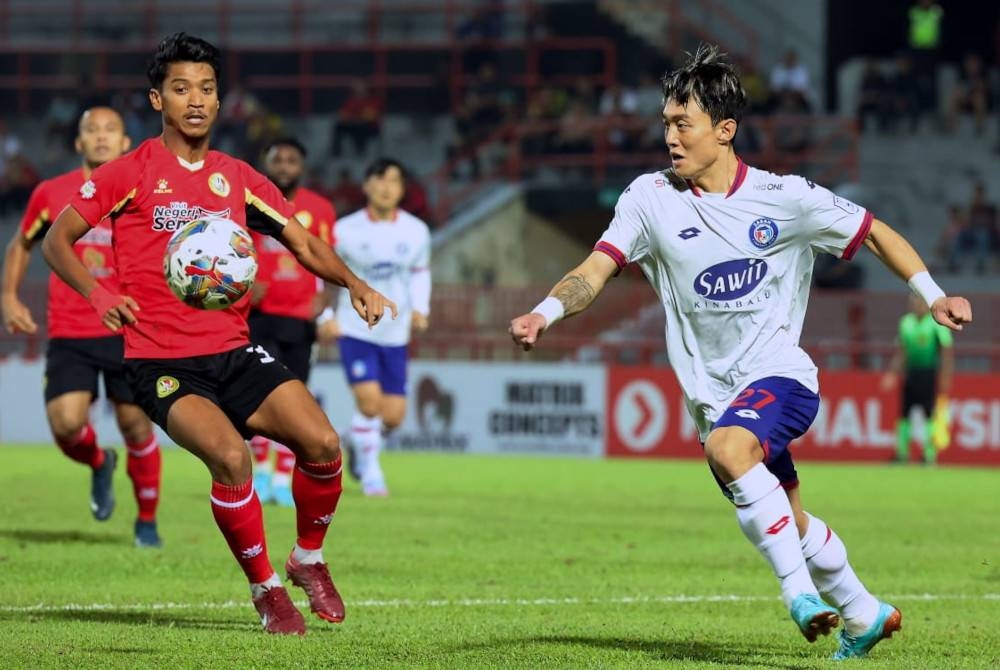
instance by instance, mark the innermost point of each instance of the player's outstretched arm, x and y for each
(899, 256)
(573, 294)
(57, 247)
(16, 315)
(317, 257)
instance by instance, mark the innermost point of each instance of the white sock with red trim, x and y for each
(765, 517)
(826, 558)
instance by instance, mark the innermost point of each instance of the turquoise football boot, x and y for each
(888, 621)
(814, 616)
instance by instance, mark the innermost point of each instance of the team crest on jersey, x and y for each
(763, 232)
(88, 190)
(166, 385)
(162, 187)
(305, 218)
(218, 184)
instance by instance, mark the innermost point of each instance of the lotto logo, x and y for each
(778, 525)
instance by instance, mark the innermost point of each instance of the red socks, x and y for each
(83, 448)
(316, 489)
(285, 461)
(143, 467)
(238, 514)
(261, 448)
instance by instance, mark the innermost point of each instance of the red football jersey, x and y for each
(69, 313)
(290, 287)
(148, 195)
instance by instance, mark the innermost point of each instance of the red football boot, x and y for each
(278, 614)
(314, 579)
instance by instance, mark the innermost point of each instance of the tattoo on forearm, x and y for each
(575, 293)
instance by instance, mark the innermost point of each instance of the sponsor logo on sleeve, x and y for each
(763, 233)
(846, 205)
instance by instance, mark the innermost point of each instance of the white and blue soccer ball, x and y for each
(210, 263)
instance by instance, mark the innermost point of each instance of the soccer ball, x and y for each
(210, 263)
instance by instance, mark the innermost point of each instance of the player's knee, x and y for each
(135, 429)
(228, 463)
(66, 424)
(730, 452)
(324, 448)
(369, 405)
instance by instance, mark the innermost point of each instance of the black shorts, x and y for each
(919, 390)
(74, 364)
(288, 339)
(237, 381)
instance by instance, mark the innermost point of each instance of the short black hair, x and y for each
(286, 142)
(181, 48)
(379, 166)
(711, 80)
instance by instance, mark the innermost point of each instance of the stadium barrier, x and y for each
(589, 410)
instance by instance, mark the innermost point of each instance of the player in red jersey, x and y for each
(195, 372)
(80, 348)
(287, 299)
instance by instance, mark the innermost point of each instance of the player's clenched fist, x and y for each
(370, 304)
(526, 329)
(952, 312)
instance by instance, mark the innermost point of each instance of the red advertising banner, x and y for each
(856, 420)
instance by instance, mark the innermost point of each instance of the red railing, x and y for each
(145, 21)
(830, 154)
(843, 330)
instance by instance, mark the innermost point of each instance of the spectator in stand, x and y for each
(415, 200)
(971, 94)
(904, 95)
(791, 76)
(949, 247)
(758, 95)
(20, 178)
(359, 119)
(874, 100)
(486, 22)
(347, 195)
(60, 122)
(239, 107)
(575, 132)
(620, 104)
(792, 132)
(925, 17)
(649, 105)
(982, 219)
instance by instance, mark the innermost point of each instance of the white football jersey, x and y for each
(394, 258)
(733, 272)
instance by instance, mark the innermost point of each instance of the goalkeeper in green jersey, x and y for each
(925, 357)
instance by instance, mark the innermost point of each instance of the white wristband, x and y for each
(922, 284)
(551, 308)
(324, 316)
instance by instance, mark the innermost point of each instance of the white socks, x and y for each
(306, 556)
(258, 589)
(765, 517)
(366, 434)
(826, 558)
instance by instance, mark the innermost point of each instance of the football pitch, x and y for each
(494, 562)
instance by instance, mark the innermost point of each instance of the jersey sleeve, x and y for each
(627, 238)
(834, 224)
(267, 210)
(420, 275)
(37, 216)
(108, 191)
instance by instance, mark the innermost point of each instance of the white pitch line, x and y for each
(469, 602)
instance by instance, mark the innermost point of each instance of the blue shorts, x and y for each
(777, 410)
(366, 362)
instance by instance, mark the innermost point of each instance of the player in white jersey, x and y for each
(391, 250)
(729, 250)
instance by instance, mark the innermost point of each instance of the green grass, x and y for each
(433, 574)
